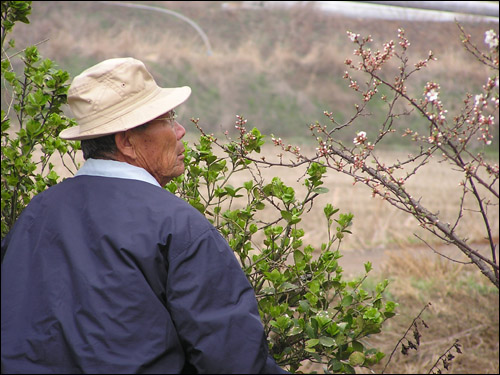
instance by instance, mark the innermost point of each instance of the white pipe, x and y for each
(167, 11)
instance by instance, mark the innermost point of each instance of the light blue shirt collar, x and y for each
(116, 169)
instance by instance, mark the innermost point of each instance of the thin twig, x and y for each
(438, 253)
(444, 355)
(21, 51)
(404, 336)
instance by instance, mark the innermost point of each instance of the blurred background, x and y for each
(278, 64)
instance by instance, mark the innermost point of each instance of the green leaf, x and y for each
(332, 329)
(217, 167)
(304, 308)
(310, 332)
(286, 215)
(373, 315)
(33, 127)
(282, 322)
(346, 301)
(326, 341)
(329, 210)
(356, 359)
(196, 204)
(52, 176)
(348, 369)
(232, 191)
(390, 306)
(274, 276)
(298, 256)
(314, 286)
(248, 185)
(9, 76)
(260, 206)
(335, 365)
(368, 267)
(321, 190)
(296, 330)
(5, 124)
(357, 346)
(312, 342)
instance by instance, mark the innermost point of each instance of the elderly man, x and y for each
(107, 272)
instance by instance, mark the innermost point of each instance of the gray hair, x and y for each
(99, 148)
(103, 147)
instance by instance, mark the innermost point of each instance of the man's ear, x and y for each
(124, 144)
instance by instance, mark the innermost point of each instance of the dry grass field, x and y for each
(463, 307)
(281, 70)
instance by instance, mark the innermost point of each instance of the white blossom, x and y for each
(432, 95)
(478, 99)
(360, 138)
(491, 38)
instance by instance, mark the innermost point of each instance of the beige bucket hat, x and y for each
(116, 95)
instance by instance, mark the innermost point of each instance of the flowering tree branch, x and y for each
(452, 141)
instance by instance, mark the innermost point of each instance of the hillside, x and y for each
(278, 68)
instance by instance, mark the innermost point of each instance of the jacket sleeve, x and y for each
(214, 309)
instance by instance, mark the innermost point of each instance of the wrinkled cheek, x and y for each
(175, 166)
(180, 167)
(180, 170)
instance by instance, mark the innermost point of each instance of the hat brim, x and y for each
(166, 100)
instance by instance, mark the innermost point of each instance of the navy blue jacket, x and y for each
(110, 275)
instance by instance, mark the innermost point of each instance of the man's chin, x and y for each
(180, 171)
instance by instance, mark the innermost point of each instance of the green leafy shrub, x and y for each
(310, 312)
(36, 98)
